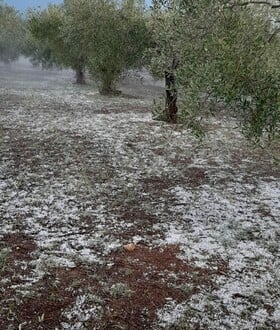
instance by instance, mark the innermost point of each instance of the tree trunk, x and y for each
(171, 97)
(80, 77)
(107, 85)
(106, 90)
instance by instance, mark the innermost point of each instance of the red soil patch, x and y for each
(15, 269)
(155, 183)
(140, 223)
(195, 176)
(147, 279)
(51, 298)
(20, 247)
(152, 277)
(20, 244)
(191, 176)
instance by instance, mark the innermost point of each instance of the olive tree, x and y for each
(164, 54)
(53, 41)
(225, 53)
(102, 36)
(114, 34)
(11, 33)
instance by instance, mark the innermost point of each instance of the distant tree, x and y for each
(11, 33)
(52, 41)
(103, 36)
(114, 34)
(225, 52)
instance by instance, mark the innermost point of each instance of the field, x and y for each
(82, 176)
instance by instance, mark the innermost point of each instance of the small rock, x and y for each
(130, 247)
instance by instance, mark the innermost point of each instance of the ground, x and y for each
(82, 175)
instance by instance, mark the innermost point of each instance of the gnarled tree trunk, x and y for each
(107, 82)
(80, 77)
(171, 97)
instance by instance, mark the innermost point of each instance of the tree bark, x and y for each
(80, 77)
(107, 85)
(171, 97)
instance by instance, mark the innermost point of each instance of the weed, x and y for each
(3, 258)
(119, 290)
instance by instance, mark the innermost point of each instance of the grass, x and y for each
(4, 253)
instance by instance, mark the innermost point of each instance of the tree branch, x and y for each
(273, 35)
(252, 2)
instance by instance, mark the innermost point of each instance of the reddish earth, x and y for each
(148, 278)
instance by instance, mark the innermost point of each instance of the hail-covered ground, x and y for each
(82, 176)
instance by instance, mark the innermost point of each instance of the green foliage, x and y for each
(114, 34)
(158, 110)
(103, 36)
(52, 41)
(241, 73)
(119, 290)
(11, 33)
(227, 55)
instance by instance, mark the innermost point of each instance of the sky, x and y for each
(24, 4)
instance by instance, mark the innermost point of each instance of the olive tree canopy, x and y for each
(227, 53)
(11, 33)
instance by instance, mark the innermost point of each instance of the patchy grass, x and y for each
(82, 175)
